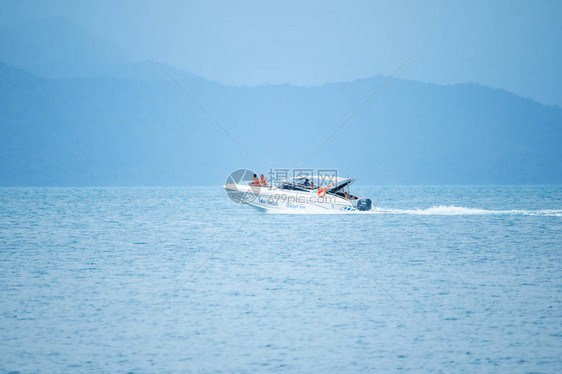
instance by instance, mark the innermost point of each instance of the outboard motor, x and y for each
(364, 204)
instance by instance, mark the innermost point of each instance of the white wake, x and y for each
(451, 210)
(441, 210)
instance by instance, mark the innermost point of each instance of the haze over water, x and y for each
(477, 270)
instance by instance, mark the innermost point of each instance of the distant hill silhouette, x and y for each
(111, 121)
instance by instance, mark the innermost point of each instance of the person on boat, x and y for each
(263, 180)
(306, 183)
(347, 195)
(256, 181)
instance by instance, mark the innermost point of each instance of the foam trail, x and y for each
(441, 210)
(451, 210)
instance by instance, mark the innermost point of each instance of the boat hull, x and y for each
(275, 200)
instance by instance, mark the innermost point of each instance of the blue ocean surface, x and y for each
(434, 279)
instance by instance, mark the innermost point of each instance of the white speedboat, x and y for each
(304, 194)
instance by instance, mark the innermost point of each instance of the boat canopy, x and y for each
(341, 184)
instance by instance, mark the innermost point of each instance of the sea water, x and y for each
(434, 279)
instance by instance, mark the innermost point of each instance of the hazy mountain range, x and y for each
(76, 110)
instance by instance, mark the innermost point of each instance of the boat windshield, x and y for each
(308, 183)
(293, 186)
